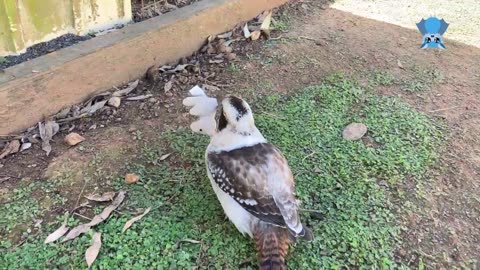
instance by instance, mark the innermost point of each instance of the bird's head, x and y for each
(235, 114)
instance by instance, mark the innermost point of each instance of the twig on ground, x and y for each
(72, 118)
(81, 193)
(82, 216)
(444, 109)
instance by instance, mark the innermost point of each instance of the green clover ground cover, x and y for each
(353, 218)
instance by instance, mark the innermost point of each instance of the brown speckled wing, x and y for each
(259, 179)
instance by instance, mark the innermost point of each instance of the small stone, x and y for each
(115, 102)
(152, 74)
(320, 43)
(222, 48)
(383, 183)
(354, 131)
(231, 56)
(11, 148)
(152, 100)
(74, 139)
(131, 178)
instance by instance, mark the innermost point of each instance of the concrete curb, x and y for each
(43, 86)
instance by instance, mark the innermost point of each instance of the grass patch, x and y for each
(422, 80)
(282, 22)
(336, 178)
(381, 78)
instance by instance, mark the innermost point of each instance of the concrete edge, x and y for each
(43, 86)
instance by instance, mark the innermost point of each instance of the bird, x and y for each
(254, 184)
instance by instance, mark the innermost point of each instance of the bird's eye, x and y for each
(428, 40)
(437, 40)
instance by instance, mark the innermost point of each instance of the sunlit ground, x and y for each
(463, 16)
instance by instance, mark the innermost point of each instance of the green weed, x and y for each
(350, 214)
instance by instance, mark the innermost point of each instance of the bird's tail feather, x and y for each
(272, 244)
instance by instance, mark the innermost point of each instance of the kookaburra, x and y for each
(254, 184)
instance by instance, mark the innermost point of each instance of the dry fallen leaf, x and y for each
(177, 245)
(11, 148)
(211, 49)
(76, 231)
(108, 210)
(141, 97)
(210, 87)
(169, 6)
(82, 228)
(262, 15)
(168, 69)
(58, 232)
(114, 102)
(129, 223)
(131, 86)
(74, 139)
(229, 42)
(266, 22)
(47, 131)
(168, 86)
(92, 251)
(107, 196)
(180, 67)
(225, 35)
(216, 61)
(165, 156)
(255, 35)
(63, 113)
(165, 68)
(131, 178)
(246, 31)
(95, 107)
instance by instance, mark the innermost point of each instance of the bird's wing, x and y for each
(259, 179)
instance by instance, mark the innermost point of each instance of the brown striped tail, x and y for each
(272, 245)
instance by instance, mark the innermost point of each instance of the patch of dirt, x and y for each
(318, 42)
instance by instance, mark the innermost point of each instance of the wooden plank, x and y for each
(43, 86)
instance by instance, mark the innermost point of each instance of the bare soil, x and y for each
(317, 41)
